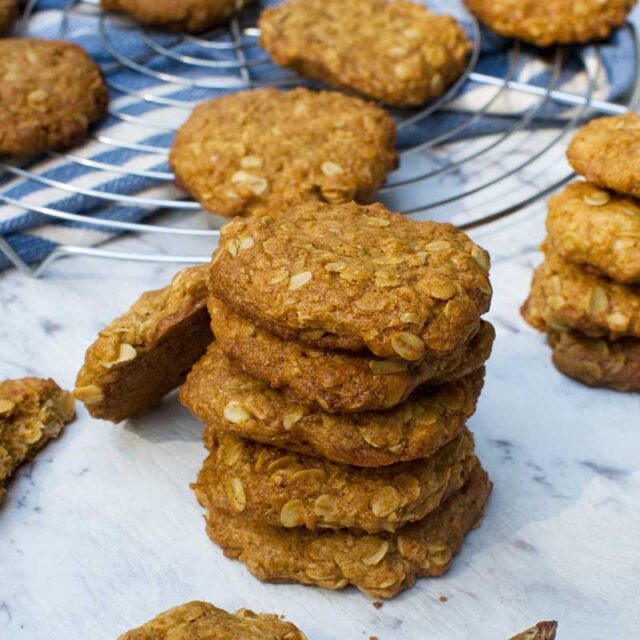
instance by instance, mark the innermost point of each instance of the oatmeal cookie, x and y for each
(148, 351)
(337, 382)
(50, 93)
(192, 16)
(275, 487)
(351, 277)
(32, 412)
(266, 149)
(565, 296)
(542, 631)
(550, 22)
(597, 362)
(227, 399)
(607, 153)
(9, 11)
(203, 621)
(598, 230)
(380, 565)
(397, 52)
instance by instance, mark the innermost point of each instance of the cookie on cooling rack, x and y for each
(607, 153)
(380, 565)
(8, 14)
(192, 16)
(50, 93)
(201, 620)
(267, 149)
(396, 52)
(597, 229)
(32, 412)
(548, 22)
(542, 631)
(148, 351)
(288, 490)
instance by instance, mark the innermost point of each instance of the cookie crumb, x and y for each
(377, 604)
(443, 599)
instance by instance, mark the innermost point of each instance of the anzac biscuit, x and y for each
(8, 14)
(148, 351)
(266, 149)
(552, 21)
(192, 16)
(380, 565)
(542, 631)
(597, 362)
(337, 382)
(598, 230)
(607, 153)
(203, 621)
(352, 277)
(50, 93)
(565, 296)
(227, 399)
(32, 412)
(278, 488)
(397, 52)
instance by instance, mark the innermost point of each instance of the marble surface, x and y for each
(102, 531)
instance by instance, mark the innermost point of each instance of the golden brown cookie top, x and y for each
(192, 16)
(607, 153)
(50, 93)
(542, 631)
(267, 149)
(202, 621)
(8, 14)
(397, 52)
(552, 21)
(353, 277)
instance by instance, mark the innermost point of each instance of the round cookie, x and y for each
(396, 52)
(596, 229)
(266, 149)
(351, 277)
(597, 362)
(565, 296)
(50, 93)
(275, 487)
(9, 11)
(552, 21)
(380, 565)
(607, 153)
(337, 382)
(227, 399)
(192, 16)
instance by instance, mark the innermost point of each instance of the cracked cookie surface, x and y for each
(148, 351)
(353, 277)
(50, 93)
(397, 52)
(261, 150)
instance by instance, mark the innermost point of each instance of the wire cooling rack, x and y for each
(468, 180)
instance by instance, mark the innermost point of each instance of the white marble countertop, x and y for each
(102, 532)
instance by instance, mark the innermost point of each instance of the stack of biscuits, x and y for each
(586, 294)
(348, 355)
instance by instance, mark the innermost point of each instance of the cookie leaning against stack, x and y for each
(349, 354)
(586, 294)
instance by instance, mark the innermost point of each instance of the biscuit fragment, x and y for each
(275, 487)
(380, 565)
(32, 412)
(148, 351)
(552, 21)
(542, 631)
(227, 399)
(202, 621)
(397, 52)
(192, 16)
(597, 229)
(565, 296)
(50, 93)
(354, 277)
(337, 382)
(267, 150)
(607, 153)
(8, 15)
